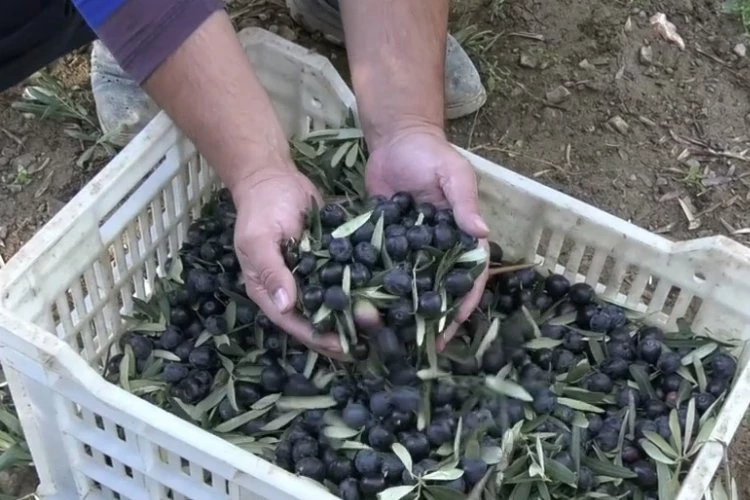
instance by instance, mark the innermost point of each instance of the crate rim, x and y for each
(59, 354)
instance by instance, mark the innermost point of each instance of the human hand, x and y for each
(270, 210)
(422, 162)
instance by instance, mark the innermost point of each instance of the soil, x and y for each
(584, 97)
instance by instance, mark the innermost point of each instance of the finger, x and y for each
(469, 304)
(265, 270)
(296, 325)
(447, 335)
(460, 189)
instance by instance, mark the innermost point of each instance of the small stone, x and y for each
(4, 161)
(558, 95)
(288, 33)
(526, 61)
(585, 64)
(274, 28)
(740, 50)
(661, 181)
(619, 124)
(646, 55)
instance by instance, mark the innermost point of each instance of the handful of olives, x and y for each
(387, 270)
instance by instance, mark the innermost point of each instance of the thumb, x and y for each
(268, 274)
(460, 189)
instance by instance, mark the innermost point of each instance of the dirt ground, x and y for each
(584, 96)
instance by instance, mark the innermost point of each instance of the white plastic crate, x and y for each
(91, 439)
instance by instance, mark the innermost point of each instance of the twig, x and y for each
(708, 150)
(13, 137)
(532, 36)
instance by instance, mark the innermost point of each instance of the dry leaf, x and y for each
(666, 29)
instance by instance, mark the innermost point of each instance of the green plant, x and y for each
(740, 8)
(48, 99)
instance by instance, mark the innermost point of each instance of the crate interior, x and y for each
(87, 317)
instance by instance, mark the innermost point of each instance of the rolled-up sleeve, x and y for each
(141, 34)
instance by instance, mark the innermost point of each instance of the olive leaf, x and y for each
(265, 401)
(607, 468)
(351, 155)
(231, 394)
(322, 313)
(378, 233)
(421, 329)
(560, 473)
(584, 395)
(403, 454)
(492, 454)
(508, 388)
(335, 432)
(664, 477)
(655, 453)
(579, 405)
(348, 228)
(596, 350)
(286, 403)
(562, 320)
(312, 358)
(175, 269)
(127, 367)
(699, 353)
(641, 378)
(432, 374)
(700, 374)
(240, 420)
(689, 424)
(168, 355)
(396, 492)
(703, 434)
(443, 308)
(477, 255)
(230, 314)
(661, 443)
(443, 475)
(342, 150)
(534, 327)
(281, 421)
(541, 343)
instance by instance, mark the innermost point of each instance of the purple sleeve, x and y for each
(141, 34)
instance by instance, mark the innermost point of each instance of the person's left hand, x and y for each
(422, 162)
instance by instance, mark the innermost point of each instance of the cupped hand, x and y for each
(271, 204)
(422, 162)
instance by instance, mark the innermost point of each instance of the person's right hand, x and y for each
(271, 204)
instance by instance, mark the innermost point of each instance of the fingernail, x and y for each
(481, 225)
(281, 299)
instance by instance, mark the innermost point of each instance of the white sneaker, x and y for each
(464, 92)
(122, 106)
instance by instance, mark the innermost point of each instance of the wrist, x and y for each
(380, 136)
(255, 169)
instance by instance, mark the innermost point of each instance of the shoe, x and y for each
(464, 92)
(122, 107)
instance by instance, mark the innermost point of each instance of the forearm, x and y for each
(396, 51)
(209, 89)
